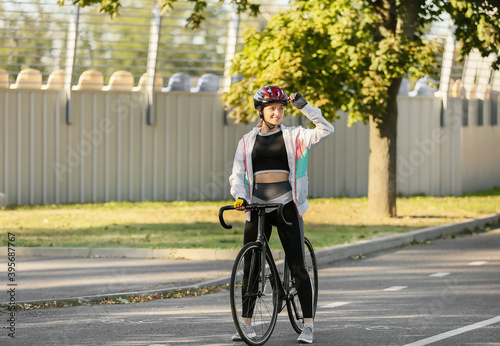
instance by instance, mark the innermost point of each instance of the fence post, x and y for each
(447, 63)
(232, 41)
(70, 58)
(154, 39)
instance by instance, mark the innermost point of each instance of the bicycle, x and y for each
(256, 288)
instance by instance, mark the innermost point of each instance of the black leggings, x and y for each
(292, 239)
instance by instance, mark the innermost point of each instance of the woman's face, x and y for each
(274, 112)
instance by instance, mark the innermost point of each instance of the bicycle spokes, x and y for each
(254, 296)
(294, 307)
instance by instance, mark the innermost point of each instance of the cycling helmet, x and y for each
(269, 94)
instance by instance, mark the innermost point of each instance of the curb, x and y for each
(374, 245)
(189, 254)
(327, 255)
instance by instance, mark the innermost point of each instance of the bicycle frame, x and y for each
(261, 286)
(263, 241)
(261, 209)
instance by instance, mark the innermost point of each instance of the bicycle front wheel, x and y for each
(293, 303)
(254, 296)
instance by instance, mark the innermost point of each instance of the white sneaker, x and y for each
(248, 331)
(307, 335)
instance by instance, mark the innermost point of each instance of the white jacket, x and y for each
(298, 141)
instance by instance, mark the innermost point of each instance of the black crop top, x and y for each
(269, 153)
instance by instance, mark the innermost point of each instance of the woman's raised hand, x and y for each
(297, 100)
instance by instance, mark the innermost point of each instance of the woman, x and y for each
(270, 166)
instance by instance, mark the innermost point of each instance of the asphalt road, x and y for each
(42, 279)
(443, 293)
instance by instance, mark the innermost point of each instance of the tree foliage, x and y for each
(477, 25)
(196, 17)
(344, 55)
(107, 6)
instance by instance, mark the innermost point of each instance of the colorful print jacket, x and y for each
(298, 142)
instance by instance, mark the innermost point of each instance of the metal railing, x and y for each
(37, 34)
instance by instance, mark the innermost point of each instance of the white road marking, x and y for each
(334, 305)
(477, 263)
(455, 332)
(395, 288)
(439, 274)
(255, 323)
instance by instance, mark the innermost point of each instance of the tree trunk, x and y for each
(382, 187)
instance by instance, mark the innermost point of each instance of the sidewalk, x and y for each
(48, 274)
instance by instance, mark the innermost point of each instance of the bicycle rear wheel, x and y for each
(293, 303)
(252, 297)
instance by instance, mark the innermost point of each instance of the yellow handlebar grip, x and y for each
(238, 203)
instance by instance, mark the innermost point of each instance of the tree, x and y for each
(112, 7)
(351, 55)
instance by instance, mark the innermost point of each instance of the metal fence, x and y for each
(110, 153)
(42, 35)
(94, 135)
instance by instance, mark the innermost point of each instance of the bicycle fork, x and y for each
(261, 238)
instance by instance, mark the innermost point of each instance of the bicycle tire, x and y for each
(263, 303)
(293, 303)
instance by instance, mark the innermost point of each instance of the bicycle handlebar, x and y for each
(253, 206)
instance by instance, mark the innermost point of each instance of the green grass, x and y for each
(329, 222)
